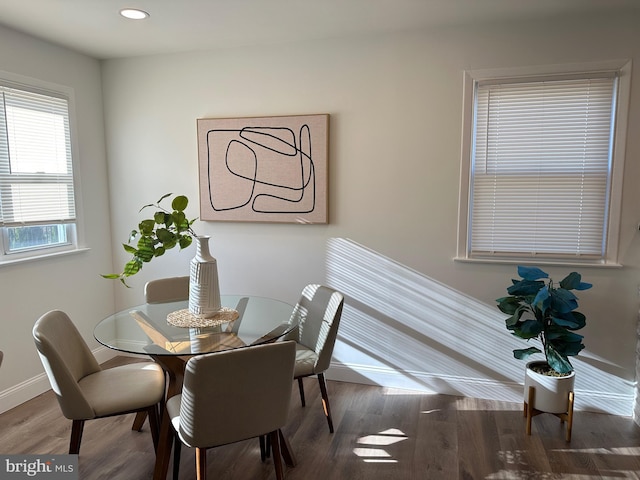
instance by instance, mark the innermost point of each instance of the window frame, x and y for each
(471, 78)
(72, 228)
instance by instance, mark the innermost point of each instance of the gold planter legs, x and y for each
(530, 412)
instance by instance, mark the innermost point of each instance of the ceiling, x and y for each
(95, 28)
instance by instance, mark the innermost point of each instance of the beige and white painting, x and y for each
(264, 169)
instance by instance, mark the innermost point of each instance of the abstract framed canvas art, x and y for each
(264, 169)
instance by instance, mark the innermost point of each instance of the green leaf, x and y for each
(563, 301)
(146, 241)
(562, 334)
(159, 251)
(129, 249)
(528, 329)
(557, 361)
(525, 287)
(169, 244)
(531, 273)
(165, 236)
(180, 203)
(573, 282)
(132, 267)
(513, 320)
(146, 226)
(110, 275)
(508, 305)
(542, 299)
(164, 196)
(180, 221)
(185, 241)
(160, 218)
(569, 320)
(145, 249)
(522, 354)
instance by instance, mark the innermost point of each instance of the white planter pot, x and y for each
(204, 290)
(551, 393)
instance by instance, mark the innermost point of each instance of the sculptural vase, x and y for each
(204, 290)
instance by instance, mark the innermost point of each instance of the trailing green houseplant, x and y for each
(164, 231)
(540, 309)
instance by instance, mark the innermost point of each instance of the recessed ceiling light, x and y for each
(134, 13)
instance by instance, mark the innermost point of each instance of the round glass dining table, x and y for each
(145, 329)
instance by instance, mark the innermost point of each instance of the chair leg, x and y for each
(176, 457)
(277, 456)
(301, 388)
(263, 448)
(154, 425)
(76, 436)
(325, 400)
(287, 453)
(201, 463)
(139, 421)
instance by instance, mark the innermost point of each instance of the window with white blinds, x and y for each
(37, 203)
(541, 167)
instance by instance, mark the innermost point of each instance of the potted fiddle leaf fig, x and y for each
(165, 230)
(541, 309)
(546, 311)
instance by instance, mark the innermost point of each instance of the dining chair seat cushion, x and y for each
(143, 382)
(306, 360)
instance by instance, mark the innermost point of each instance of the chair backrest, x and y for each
(317, 315)
(236, 394)
(164, 290)
(66, 359)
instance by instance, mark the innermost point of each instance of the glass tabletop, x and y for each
(144, 329)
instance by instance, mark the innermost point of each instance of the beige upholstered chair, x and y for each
(84, 390)
(317, 314)
(232, 396)
(164, 290)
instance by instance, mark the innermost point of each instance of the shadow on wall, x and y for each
(402, 329)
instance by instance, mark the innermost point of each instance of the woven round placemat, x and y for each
(184, 318)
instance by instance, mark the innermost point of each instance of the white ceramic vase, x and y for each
(204, 290)
(551, 393)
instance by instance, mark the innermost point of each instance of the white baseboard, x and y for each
(602, 402)
(590, 401)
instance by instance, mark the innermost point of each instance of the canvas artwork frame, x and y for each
(264, 169)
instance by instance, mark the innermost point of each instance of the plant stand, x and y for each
(530, 412)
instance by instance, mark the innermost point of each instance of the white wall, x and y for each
(70, 283)
(414, 317)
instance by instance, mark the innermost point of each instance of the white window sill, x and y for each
(559, 263)
(42, 256)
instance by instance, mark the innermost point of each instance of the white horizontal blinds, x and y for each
(541, 166)
(36, 176)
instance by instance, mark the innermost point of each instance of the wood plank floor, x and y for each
(378, 435)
